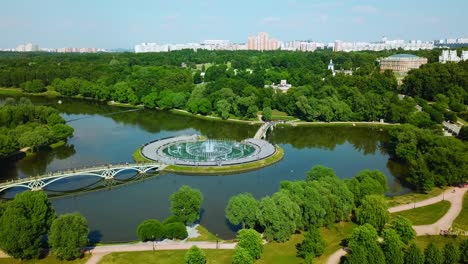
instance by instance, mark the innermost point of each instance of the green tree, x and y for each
(364, 247)
(374, 211)
(250, 240)
(313, 244)
(175, 230)
(61, 132)
(195, 256)
(392, 247)
(241, 209)
(186, 204)
(463, 135)
(413, 255)
(150, 229)
(464, 251)
(242, 256)
(451, 253)
(432, 255)
(68, 234)
(267, 113)
(35, 138)
(24, 223)
(34, 86)
(319, 171)
(404, 228)
(279, 215)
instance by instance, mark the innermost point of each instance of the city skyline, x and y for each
(120, 24)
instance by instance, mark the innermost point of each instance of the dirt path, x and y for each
(444, 223)
(100, 251)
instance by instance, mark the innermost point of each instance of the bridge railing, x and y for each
(77, 170)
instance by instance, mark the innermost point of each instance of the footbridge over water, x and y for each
(262, 131)
(106, 172)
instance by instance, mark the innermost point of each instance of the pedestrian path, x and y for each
(453, 195)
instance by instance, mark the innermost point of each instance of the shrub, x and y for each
(150, 230)
(175, 231)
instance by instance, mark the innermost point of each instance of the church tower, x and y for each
(331, 67)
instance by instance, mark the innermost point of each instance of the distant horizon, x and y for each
(120, 24)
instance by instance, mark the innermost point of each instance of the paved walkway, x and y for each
(100, 251)
(444, 223)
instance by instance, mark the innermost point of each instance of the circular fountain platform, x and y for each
(195, 151)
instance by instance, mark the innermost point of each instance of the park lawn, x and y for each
(439, 241)
(413, 197)
(333, 237)
(205, 235)
(47, 260)
(137, 157)
(425, 215)
(461, 222)
(281, 253)
(213, 256)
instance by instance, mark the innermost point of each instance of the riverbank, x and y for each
(254, 121)
(207, 170)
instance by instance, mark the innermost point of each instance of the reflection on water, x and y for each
(113, 213)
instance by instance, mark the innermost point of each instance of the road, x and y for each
(100, 251)
(444, 223)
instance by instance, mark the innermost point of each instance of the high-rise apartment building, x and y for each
(262, 42)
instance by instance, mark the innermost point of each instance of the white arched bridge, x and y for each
(262, 131)
(107, 172)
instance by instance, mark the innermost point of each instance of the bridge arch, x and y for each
(70, 176)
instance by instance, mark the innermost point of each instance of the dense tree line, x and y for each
(29, 219)
(321, 200)
(432, 160)
(23, 124)
(233, 84)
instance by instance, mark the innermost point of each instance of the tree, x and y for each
(195, 256)
(451, 253)
(186, 204)
(242, 256)
(241, 209)
(319, 171)
(250, 240)
(150, 229)
(24, 223)
(364, 247)
(35, 138)
(34, 86)
(267, 113)
(68, 234)
(413, 255)
(392, 247)
(404, 228)
(279, 215)
(463, 135)
(175, 231)
(464, 251)
(61, 132)
(374, 211)
(313, 244)
(432, 255)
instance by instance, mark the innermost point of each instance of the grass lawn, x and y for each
(276, 253)
(439, 241)
(213, 256)
(46, 260)
(333, 237)
(426, 215)
(412, 197)
(205, 235)
(461, 222)
(286, 252)
(137, 157)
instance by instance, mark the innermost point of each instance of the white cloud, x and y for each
(365, 9)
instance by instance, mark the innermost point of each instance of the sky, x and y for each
(122, 24)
